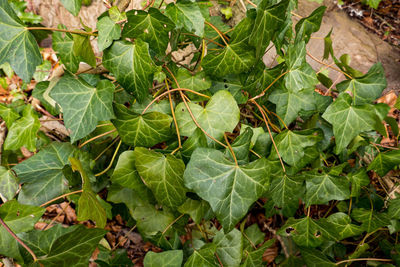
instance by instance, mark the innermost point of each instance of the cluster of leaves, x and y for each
(199, 148)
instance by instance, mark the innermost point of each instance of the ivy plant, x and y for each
(213, 158)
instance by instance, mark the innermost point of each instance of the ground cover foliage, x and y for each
(214, 161)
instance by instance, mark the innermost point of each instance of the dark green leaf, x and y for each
(370, 220)
(306, 26)
(132, 66)
(384, 162)
(198, 82)
(241, 147)
(141, 130)
(394, 208)
(342, 225)
(108, 31)
(8, 184)
(83, 105)
(230, 189)
(186, 15)
(17, 45)
(41, 91)
(151, 220)
(172, 258)
(8, 115)
(22, 132)
(204, 257)
(163, 175)
(152, 27)
(315, 258)
(229, 247)
(63, 44)
(255, 258)
(358, 180)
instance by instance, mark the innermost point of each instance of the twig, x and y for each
(327, 65)
(111, 162)
(97, 137)
(231, 150)
(172, 223)
(61, 30)
(269, 86)
(174, 118)
(62, 196)
(362, 259)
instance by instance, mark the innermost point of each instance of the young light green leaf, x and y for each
(108, 31)
(230, 189)
(8, 184)
(291, 144)
(8, 115)
(163, 175)
(307, 232)
(349, 120)
(83, 105)
(152, 27)
(171, 258)
(63, 44)
(269, 19)
(73, 6)
(220, 115)
(306, 26)
(22, 132)
(42, 174)
(141, 130)
(132, 66)
(186, 15)
(73, 248)
(367, 88)
(83, 49)
(233, 59)
(229, 247)
(204, 257)
(17, 45)
(323, 187)
(342, 225)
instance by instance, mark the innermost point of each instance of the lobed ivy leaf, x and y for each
(73, 6)
(73, 248)
(83, 49)
(108, 31)
(367, 88)
(270, 17)
(8, 115)
(343, 226)
(152, 27)
(145, 130)
(230, 189)
(151, 220)
(204, 257)
(23, 131)
(220, 115)
(83, 105)
(63, 44)
(384, 162)
(394, 209)
(241, 147)
(255, 258)
(358, 180)
(132, 66)
(323, 187)
(315, 258)
(17, 45)
(232, 59)
(197, 209)
(8, 184)
(19, 218)
(171, 258)
(349, 120)
(370, 220)
(198, 82)
(229, 247)
(163, 175)
(187, 15)
(306, 26)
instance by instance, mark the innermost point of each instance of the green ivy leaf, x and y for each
(145, 130)
(315, 258)
(384, 162)
(349, 120)
(89, 207)
(108, 31)
(197, 209)
(233, 59)
(358, 180)
(186, 15)
(203, 257)
(291, 144)
(230, 189)
(220, 115)
(300, 74)
(83, 49)
(171, 258)
(198, 82)
(229, 247)
(394, 208)
(63, 44)
(286, 192)
(342, 225)
(8, 184)
(323, 187)
(306, 26)
(132, 66)
(42, 174)
(367, 88)
(19, 218)
(370, 220)
(73, 6)
(150, 220)
(83, 105)
(23, 131)
(255, 258)
(269, 19)
(152, 27)
(307, 232)
(41, 91)
(197, 139)
(8, 115)
(163, 175)
(241, 147)
(17, 45)
(73, 248)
